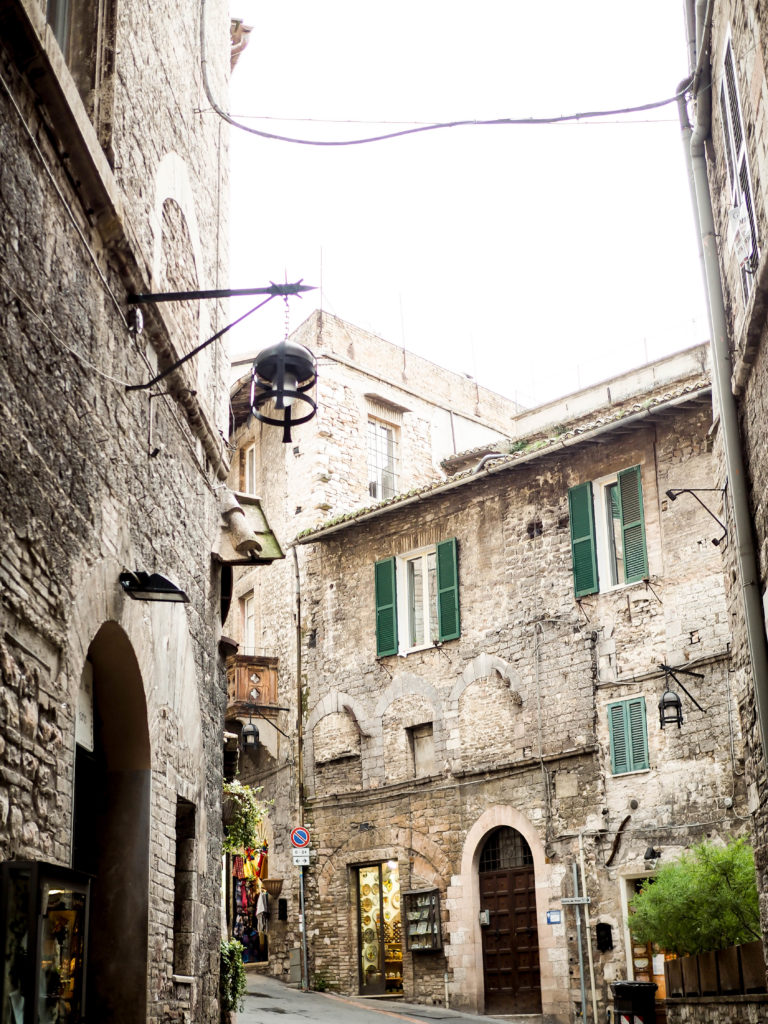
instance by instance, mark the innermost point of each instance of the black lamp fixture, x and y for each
(670, 705)
(670, 708)
(249, 737)
(674, 493)
(283, 374)
(651, 854)
(144, 586)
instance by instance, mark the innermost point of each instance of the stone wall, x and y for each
(519, 707)
(81, 497)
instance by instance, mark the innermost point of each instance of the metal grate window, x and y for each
(505, 848)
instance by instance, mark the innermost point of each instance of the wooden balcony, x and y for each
(251, 679)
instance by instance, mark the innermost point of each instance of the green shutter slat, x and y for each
(638, 734)
(617, 728)
(386, 608)
(583, 540)
(448, 620)
(633, 525)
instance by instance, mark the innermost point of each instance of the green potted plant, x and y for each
(231, 979)
(242, 813)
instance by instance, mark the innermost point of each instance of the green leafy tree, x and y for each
(246, 813)
(706, 900)
(231, 978)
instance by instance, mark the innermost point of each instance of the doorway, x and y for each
(380, 933)
(111, 831)
(510, 938)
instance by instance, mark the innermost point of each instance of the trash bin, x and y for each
(634, 1002)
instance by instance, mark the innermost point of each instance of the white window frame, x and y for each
(249, 623)
(421, 555)
(249, 469)
(737, 162)
(377, 460)
(606, 562)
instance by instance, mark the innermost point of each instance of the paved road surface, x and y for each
(271, 1002)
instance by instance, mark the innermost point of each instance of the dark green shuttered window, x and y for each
(386, 608)
(583, 539)
(629, 736)
(448, 624)
(633, 525)
(448, 618)
(627, 560)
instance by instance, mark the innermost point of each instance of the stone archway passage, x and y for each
(111, 833)
(510, 938)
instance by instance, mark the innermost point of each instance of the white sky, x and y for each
(537, 259)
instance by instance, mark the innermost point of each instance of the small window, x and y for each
(628, 736)
(382, 459)
(249, 624)
(84, 31)
(608, 532)
(417, 599)
(422, 744)
(249, 470)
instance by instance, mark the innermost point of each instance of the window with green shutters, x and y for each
(417, 599)
(628, 735)
(608, 532)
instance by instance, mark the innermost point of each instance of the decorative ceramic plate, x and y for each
(387, 915)
(370, 953)
(367, 919)
(396, 899)
(375, 888)
(367, 903)
(369, 935)
(366, 890)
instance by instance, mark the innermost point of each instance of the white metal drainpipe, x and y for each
(721, 358)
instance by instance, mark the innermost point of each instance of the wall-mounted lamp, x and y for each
(249, 737)
(144, 586)
(281, 373)
(670, 705)
(674, 493)
(651, 854)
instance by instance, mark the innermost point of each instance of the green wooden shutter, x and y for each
(628, 735)
(583, 540)
(448, 621)
(617, 728)
(638, 734)
(386, 608)
(633, 525)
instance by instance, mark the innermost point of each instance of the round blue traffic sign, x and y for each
(300, 837)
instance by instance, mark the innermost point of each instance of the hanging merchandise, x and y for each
(253, 861)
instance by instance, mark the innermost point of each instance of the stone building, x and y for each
(728, 165)
(112, 183)
(479, 735)
(386, 419)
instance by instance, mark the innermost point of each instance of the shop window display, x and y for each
(380, 929)
(251, 909)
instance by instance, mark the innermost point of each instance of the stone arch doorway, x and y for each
(111, 830)
(510, 938)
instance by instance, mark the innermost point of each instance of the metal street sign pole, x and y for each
(304, 965)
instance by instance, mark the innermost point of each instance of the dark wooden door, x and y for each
(510, 941)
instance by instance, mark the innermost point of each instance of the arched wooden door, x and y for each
(510, 938)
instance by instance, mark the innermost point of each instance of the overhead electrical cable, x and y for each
(418, 129)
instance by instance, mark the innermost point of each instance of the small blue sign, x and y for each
(554, 917)
(300, 837)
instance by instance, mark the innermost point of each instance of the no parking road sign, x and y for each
(300, 837)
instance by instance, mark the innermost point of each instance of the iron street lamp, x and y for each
(144, 586)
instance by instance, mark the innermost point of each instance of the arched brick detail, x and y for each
(464, 947)
(159, 636)
(406, 684)
(480, 668)
(334, 702)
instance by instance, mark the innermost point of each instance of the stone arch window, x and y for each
(505, 848)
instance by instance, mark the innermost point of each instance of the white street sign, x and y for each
(301, 858)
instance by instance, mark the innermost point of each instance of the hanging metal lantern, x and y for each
(283, 374)
(250, 736)
(670, 708)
